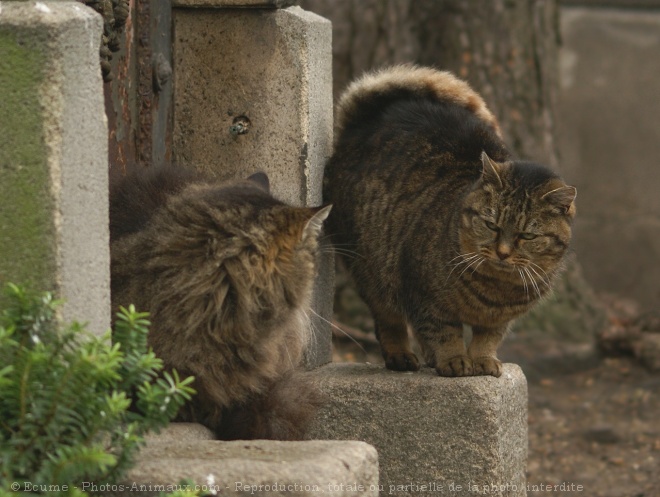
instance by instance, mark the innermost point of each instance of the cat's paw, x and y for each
(485, 366)
(402, 361)
(460, 365)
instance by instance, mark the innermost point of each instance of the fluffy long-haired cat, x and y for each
(225, 271)
(449, 229)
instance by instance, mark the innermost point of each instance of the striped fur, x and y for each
(447, 228)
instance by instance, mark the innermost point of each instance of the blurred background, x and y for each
(575, 84)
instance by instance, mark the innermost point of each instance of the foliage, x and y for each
(74, 407)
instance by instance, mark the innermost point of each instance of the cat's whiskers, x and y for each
(483, 259)
(308, 324)
(286, 349)
(350, 254)
(544, 278)
(466, 259)
(478, 259)
(461, 256)
(524, 280)
(533, 281)
(333, 325)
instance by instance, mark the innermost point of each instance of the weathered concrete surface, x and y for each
(257, 467)
(609, 130)
(434, 436)
(273, 67)
(622, 4)
(53, 156)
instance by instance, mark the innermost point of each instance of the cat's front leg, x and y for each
(483, 350)
(444, 348)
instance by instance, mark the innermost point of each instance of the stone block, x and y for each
(235, 4)
(434, 435)
(609, 138)
(53, 156)
(178, 432)
(272, 67)
(257, 467)
(253, 92)
(620, 4)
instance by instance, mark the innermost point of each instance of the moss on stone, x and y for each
(27, 232)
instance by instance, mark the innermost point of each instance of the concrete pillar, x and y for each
(253, 92)
(53, 157)
(434, 436)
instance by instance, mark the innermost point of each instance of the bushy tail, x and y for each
(373, 91)
(284, 412)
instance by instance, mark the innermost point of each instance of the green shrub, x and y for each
(74, 407)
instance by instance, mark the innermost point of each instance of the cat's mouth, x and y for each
(503, 265)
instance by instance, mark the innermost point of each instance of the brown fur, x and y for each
(419, 81)
(448, 229)
(226, 272)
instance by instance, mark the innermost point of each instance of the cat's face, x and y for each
(518, 218)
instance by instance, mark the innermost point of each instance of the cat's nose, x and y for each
(503, 251)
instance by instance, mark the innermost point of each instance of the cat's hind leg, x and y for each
(392, 333)
(284, 412)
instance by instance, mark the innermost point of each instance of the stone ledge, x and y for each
(255, 467)
(433, 435)
(621, 4)
(181, 432)
(235, 4)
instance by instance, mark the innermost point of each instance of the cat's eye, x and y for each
(491, 226)
(528, 236)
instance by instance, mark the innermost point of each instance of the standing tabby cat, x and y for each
(448, 228)
(226, 272)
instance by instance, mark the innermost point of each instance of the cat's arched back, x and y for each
(449, 229)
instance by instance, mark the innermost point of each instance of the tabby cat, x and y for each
(226, 272)
(447, 228)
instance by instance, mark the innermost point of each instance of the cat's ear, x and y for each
(261, 180)
(563, 198)
(315, 223)
(491, 170)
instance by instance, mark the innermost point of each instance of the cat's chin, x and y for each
(502, 265)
